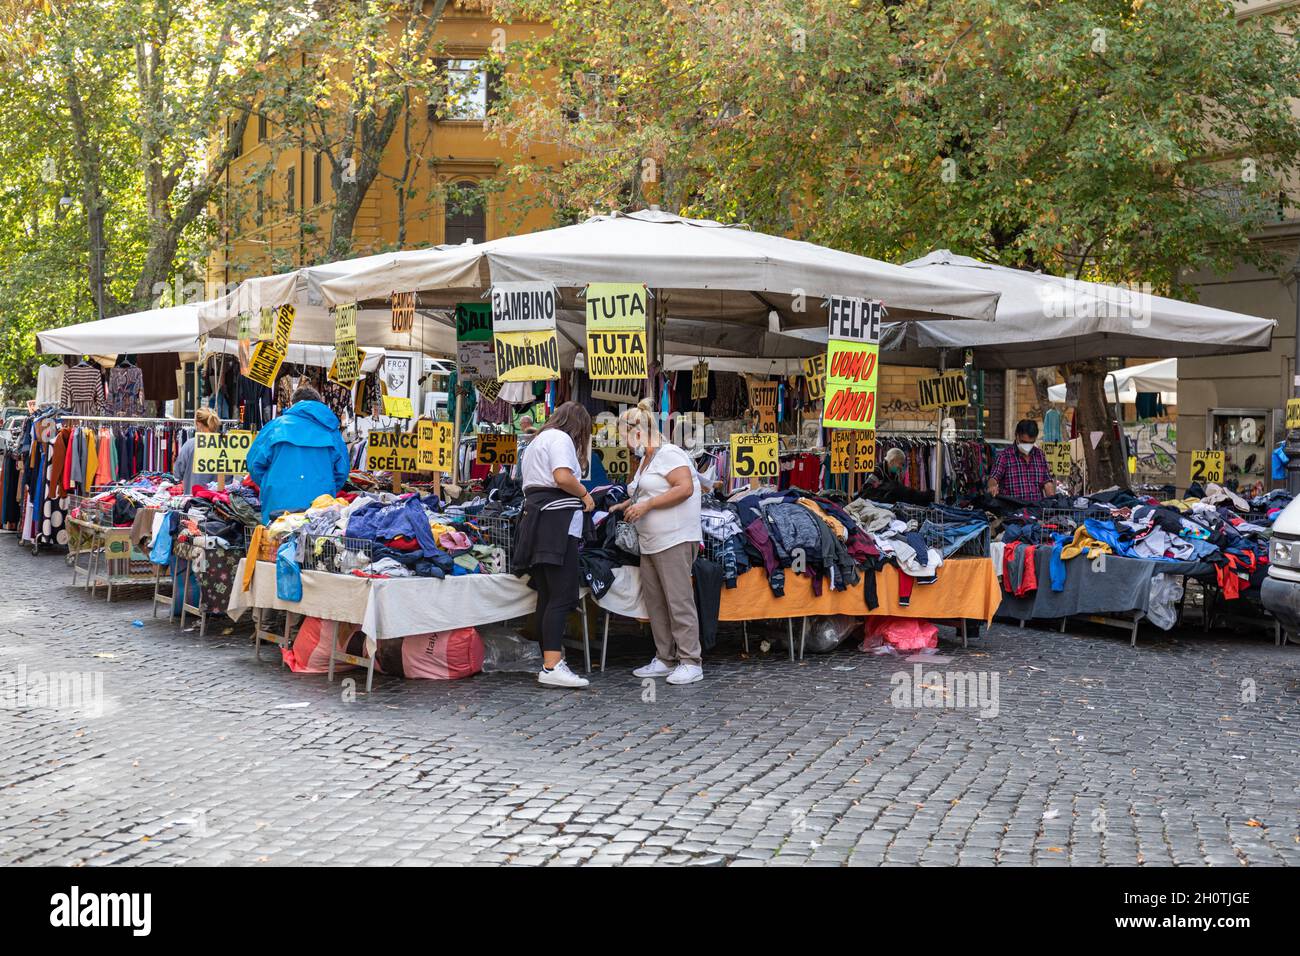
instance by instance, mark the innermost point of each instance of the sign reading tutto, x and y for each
(222, 454)
(1207, 466)
(523, 331)
(617, 344)
(852, 357)
(943, 391)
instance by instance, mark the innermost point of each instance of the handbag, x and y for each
(626, 538)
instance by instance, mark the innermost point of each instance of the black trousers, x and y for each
(557, 596)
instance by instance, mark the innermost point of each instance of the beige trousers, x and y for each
(669, 598)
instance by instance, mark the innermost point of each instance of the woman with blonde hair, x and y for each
(209, 423)
(664, 506)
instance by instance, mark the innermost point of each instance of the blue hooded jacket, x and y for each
(297, 458)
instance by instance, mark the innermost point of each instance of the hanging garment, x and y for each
(83, 390)
(125, 392)
(49, 384)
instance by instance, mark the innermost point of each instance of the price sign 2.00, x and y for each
(754, 456)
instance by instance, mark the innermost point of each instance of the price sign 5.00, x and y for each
(754, 455)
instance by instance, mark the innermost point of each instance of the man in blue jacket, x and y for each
(299, 456)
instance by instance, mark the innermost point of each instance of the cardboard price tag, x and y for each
(391, 451)
(943, 391)
(1207, 466)
(754, 455)
(434, 447)
(700, 381)
(814, 370)
(1058, 458)
(618, 462)
(397, 406)
(1293, 413)
(853, 452)
(497, 449)
(222, 454)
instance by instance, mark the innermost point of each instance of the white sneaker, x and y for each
(656, 668)
(561, 676)
(686, 674)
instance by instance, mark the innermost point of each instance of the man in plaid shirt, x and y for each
(1021, 471)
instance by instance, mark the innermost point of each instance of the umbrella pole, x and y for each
(938, 440)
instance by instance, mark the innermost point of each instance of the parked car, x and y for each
(1281, 589)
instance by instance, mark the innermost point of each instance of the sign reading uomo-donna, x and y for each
(390, 451)
(617, 354)
(527, 356)
(222, 454)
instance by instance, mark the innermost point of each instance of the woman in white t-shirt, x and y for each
(664, 505)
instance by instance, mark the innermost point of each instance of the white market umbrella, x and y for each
(171, 329)
(704, 270)
(1047, 320)
(1159, 377)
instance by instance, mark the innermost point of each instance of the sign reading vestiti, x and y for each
(617, 343)
(267, 358)
(852, 362)
(347, 364)
(523, 331)
(474, 355)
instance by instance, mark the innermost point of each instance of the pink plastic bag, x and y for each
(309, 655)
(445, 655)
(903, 633)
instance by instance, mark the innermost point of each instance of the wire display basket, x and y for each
(940, 528)
(336, 553)
(499, 532)
(1067, 519)
(89, 511)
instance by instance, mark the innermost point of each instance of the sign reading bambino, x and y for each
(523, 331)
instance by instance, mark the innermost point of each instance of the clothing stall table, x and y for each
(390, 608)
(1112, 590)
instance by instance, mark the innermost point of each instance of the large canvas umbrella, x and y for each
(1123, 385)
(702, 270)
(1047, 320)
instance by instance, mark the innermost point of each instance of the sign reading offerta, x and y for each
(852, 357)
(523, 331)
(616, 330)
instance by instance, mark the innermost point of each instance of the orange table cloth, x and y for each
(963, 588)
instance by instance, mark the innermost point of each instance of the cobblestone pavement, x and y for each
(1097, 753)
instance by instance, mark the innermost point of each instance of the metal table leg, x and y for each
(604, 643)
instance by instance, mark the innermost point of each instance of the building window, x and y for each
(995, 404)
(261, 127)
(260, 215)
(463, 94)
(315, 179)
(466, 216)
(291, 190)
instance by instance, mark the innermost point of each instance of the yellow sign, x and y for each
(398, 406)
(1293, 413)
(814, 371)
(1207, 466)
(1058, 458)
(754, 456)
(853, 452)
(700, 380)
(266, 325)
(333, 374)
(943, 391)
(851, 370)
(391, 451)
(616, 354)
(269, 356)
(222, 454)
(527, 356)
(348, 367)
(434, 449)
(618, 462)
(497, 449)
(617, 305)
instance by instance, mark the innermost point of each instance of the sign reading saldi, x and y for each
(523, 331)
(616, 330)
(222, 454)
(474, 353)
(852, 359)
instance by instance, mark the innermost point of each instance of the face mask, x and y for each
(1025, 447)
(636, 448)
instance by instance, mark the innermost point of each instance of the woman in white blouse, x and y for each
(664, 506)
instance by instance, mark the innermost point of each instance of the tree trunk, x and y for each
(1105, 463)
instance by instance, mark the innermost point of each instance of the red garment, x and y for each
(806, 473)
(1029, 575)
(401, 543)
(905, 582)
